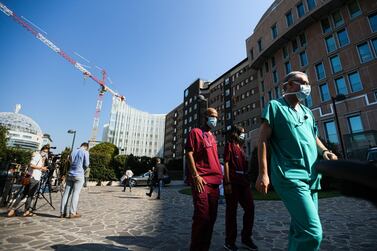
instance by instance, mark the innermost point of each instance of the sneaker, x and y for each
(249, 245)
(230, 247)
(148, 194)
(158, 198)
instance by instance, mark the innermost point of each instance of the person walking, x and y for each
(37, 166)
(158, 177)
(289, 132)
(75, 181)
(127, 179)
(205, 176)
(237, 190)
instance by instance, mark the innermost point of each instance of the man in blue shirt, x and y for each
(79, 162)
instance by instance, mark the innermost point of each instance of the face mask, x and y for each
(242, 136)
(44, 154)
(303, 93)
(211, 122)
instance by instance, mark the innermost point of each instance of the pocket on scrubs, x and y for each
(294, 169)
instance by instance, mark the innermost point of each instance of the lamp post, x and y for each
(339, 97)
(70, 131)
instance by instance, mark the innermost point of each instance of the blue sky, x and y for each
(152, 50)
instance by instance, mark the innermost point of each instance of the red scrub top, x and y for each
(236, 159)
(207, 163)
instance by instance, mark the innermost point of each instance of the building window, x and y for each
(273, 62)
(229, 116)
(354, 9)
(311, 4)
(326, 27)
(289, 18)
(320, 71)
(195, 116)
(330, 44)
(195, 106)
(364, 52)
(227, 92)
(343, 37)
(355, 82)
(341, 87)
(275, 76)
(374, 44)
(331, 134)
(277, 92)
(355, 124)
(302, 39)
(285, 52)
(294, 45)
(274, 31)
(373, 22)
(288, 67)
(186, 92)
(260, 45)
(336, 65)
(300, 10)
(227, 104)
(309, 101)
(338, 19)
(269, 95)
(262, 86)
(251, 53)
(303, 58)
(325, 93)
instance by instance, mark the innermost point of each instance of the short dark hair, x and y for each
(85, 145)
(47, 146)
(233, 134)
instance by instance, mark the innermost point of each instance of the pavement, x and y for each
(116, 220)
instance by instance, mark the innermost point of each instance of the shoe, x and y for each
(11, 213)
(28, 214)
(148, 194)
(72, 216)
(249, 245)
(62, 216)
(158, 198)
(230, 247)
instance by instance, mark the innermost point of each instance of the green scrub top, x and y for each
(292, 144)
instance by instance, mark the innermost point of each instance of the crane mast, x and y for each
(103, 87)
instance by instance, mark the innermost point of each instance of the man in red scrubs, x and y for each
(205, 177)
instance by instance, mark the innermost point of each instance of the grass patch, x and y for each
(271, 195)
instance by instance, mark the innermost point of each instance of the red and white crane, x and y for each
(102, 82)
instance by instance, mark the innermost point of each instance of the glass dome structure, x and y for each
(19, 123)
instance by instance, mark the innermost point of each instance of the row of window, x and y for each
(354, 123)
(301, 9)
(341, 86)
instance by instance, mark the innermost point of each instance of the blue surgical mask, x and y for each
(303, 93)
(44, 154)
(211, 122)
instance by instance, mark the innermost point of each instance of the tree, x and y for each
(102, 162)
(3, 144)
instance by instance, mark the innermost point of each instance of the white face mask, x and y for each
(303, 93)
(242, 136)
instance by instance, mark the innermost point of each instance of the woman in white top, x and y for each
(37, 165)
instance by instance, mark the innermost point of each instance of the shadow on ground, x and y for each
(89, 246)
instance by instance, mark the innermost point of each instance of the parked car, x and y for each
(372, 154)
(143, 180)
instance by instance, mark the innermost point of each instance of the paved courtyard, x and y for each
(116, 220)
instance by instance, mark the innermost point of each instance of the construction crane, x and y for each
(102, 82)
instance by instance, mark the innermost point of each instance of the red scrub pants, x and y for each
(240, 194)
(205, 213)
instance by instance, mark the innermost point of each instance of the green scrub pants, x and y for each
(305, 232)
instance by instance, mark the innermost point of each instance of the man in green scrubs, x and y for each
(289, 132)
